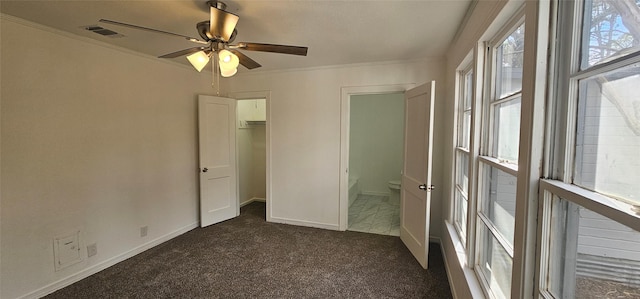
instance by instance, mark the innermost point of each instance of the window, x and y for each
(461, 152)
(577, 228)
(590, 241)
(608, 133)
(590, 255)
(610, 30)
(505, 103)
(498, 170)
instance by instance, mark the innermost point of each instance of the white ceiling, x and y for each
(336, 32)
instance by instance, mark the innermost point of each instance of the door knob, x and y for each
(424, 187)
(205, 169)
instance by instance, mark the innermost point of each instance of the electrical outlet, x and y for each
(143, 231)
(92, 249)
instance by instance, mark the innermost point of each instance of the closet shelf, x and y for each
(256, 122)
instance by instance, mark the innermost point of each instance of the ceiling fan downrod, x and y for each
(217, 4)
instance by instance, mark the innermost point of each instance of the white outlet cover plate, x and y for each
(92, 249)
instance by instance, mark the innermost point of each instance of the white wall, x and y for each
(376, 140)
(305, 133)
(105, 140)
(245, 157)
(93, 138)
(0, 158)
(259, 168)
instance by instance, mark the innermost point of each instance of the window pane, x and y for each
(608, 134)
(495, 264)
(591, 256)
(507, 130)
(613, 30)
(462, 171)
(468, 90)
(464, 125)
(465, 129)
(461, 206)
(509, 59)
(498, 198)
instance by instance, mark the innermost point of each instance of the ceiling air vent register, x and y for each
(103, 31)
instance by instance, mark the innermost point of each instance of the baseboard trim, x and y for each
(59, 284)
(305, 223)
(255, 199)
(374, 193)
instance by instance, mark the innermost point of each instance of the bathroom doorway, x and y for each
(374, 161)
(252, 140)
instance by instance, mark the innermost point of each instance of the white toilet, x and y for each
(394, 192)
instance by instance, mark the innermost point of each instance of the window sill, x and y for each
(470, 278)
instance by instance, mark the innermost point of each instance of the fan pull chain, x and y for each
(216, 75)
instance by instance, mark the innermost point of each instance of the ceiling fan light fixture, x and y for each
(228, 72)
(228, 60)
(228, 63)
(198, 60)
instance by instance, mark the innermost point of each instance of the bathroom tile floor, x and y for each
(375, 214)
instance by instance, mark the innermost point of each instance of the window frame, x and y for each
(561, 129)
(613, 209)
(532, 133)
(486, 152)
(460, 110)
(491, 98)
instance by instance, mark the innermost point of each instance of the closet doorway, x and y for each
(252, 142)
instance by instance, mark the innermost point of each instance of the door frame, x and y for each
(345, 111)
(248, 95)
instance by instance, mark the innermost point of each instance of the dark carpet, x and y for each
(247, 257)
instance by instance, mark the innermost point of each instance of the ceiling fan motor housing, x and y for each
(221, 23)
(203, 30)
(217, 4)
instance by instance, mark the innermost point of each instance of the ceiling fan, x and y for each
(218, 33)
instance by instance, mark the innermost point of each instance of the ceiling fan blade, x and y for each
(245, 60)
(295, 50)
(189, 38)
(222, 23)
(184, 52)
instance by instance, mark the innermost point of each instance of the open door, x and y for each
(218, 180)
(415, 198)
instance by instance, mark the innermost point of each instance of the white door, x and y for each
(416, 175)
(218, 180)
